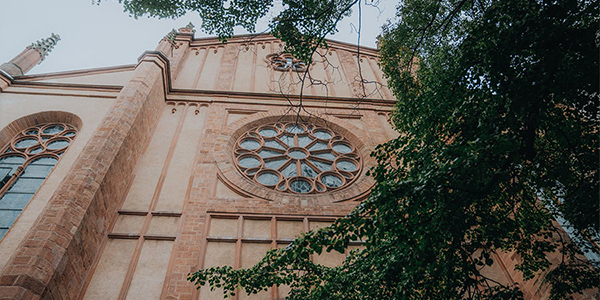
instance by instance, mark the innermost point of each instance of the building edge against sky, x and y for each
(189, 158)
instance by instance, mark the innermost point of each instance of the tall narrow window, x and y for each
(25, 163)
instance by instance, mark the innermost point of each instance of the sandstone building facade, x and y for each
(119, 181)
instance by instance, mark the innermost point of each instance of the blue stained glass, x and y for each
(268, 178)
(69, 134)
(15, 200)
(275, 164)
(288, 139)
(249, 162)
(268, 132)
(55, 145)
(53, 129)
(44, 161)
(324, 135)
(36, 150)
(318, 146)
(3, 232)
(274, 144)
(294, 129)
(297, 154)
(341, 148)
(269, 153)
(308, 171)
(26, 143)
(300, 186)
(290, 170)
(12, 160)
(321, 165)
(26, 185)
(328, 156)
(346, 165)
(31, 132)
(7, 217)
(37, 170)
(250, 144)
(331, 181)
(304, 140)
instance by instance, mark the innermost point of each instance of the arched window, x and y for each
(25, 163)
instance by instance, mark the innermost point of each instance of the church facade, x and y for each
(117, 182)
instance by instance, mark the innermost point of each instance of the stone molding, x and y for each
(228, 172)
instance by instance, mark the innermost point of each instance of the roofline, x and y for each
(264, 37)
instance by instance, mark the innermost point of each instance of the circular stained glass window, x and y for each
(297, 158)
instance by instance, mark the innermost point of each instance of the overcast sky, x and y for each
(103, 35)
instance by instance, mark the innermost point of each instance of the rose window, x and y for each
(286, 62)
(297, 158)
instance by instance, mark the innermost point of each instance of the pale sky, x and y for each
(103, 35)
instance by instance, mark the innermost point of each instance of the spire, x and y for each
(32, 55)
(44, 46)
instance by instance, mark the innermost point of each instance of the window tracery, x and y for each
(286, 62)
(297, 158)
(25, 163)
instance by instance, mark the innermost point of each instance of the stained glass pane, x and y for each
(346, 165)
(12, 160)
(304, 140)
(69, 134)
(31, 132)
(249, 162)
(26, 143)
(15, 200)
(321, 165)
(318, 146)
(274, 144)
(341, 148)
(308, 171)
(288, 139)
(331, 181)
(53, 129)
(297, 154)
(269, 153)
(294, 129)
(328, 156)
(268, 178)
(7, 217)
(324, 135)
(58, 145)
(275, 164)
(26, 185)
(290, 170)
(36, 150)
(300, 186)
(268, 132)
(45, 161)
(39, 171)
(250, 144)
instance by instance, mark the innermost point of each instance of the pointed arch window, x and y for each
(25, 163)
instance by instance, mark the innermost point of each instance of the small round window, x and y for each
(297, 158)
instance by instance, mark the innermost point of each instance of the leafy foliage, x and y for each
(302, 24)
(498, 109)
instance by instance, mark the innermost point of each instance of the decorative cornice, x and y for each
(44, 46)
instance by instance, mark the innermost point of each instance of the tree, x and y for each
(498, 110)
